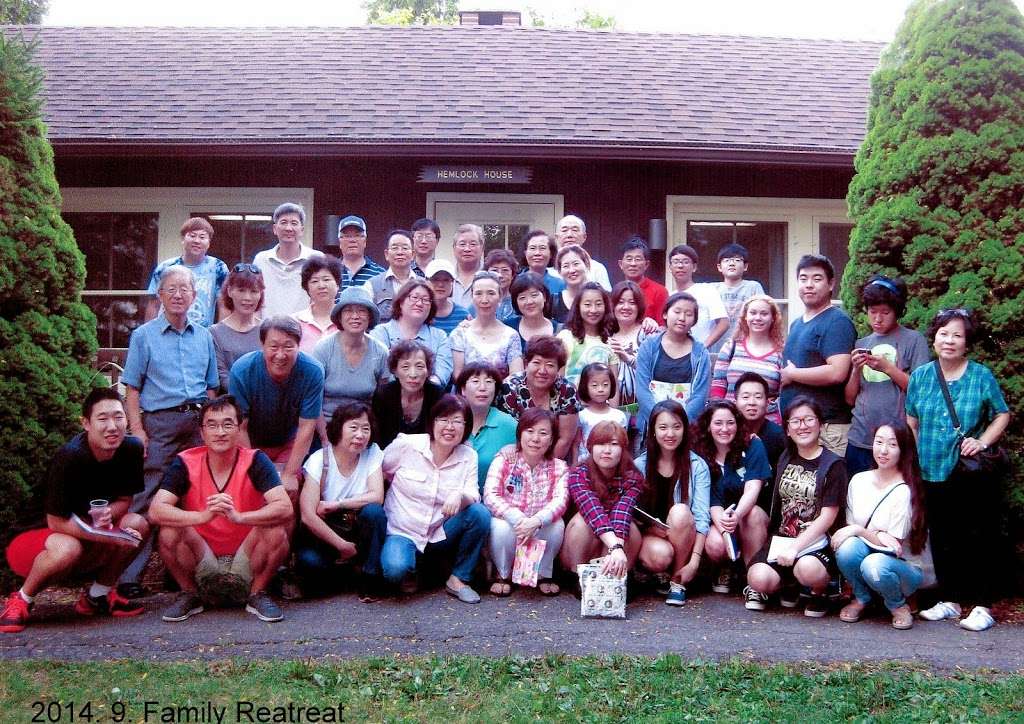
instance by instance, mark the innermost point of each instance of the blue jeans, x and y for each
(314, 559)
(465, 533)
(871, 572)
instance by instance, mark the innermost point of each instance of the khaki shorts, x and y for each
(224, 581)
(834, 436)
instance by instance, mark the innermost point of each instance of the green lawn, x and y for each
(475, 689)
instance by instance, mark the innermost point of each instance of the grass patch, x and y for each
(515, 689)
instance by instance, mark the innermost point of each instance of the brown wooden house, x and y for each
(726, 138)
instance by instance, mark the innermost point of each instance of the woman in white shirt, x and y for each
(342, 516)
(882, 547)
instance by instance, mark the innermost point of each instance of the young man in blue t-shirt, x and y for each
(817, 351)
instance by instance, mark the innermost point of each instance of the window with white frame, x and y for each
(125, 232)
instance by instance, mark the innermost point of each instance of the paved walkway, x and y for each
(709, 627)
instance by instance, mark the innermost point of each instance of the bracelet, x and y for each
(616, 547)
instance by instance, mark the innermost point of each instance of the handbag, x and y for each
(601, 596)
(992, 461)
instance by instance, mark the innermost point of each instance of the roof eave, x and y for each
(784, 156)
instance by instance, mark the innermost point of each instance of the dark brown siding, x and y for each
(616, 199)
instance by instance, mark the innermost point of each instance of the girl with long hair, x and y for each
(587, 331)
(756, 346)
(605, 488)
(628, 310)
(880, 550)
(677, 495)
(739, 469)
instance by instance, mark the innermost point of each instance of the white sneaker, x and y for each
(941, 611)
(979, 620)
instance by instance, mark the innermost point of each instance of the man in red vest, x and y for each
(224, 519)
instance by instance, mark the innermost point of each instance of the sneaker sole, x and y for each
(674, 602)
(789, 604)
(814, 614)
(12, 629)
(720, 589)
(261, 616)
(129, 613)
(188, 614)
(752, 606)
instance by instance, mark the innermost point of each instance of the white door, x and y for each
(505, 218)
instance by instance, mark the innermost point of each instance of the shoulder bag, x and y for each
(993, 460)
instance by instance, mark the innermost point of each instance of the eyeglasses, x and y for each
(226, 426)
(809, 421)
(450, 421)
(424, 236)
(418, 298)
(174, 291)
(252, 268)
(957, 312)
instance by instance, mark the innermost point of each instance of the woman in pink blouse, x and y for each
(527, 495)
(605, 488)
(433, 504)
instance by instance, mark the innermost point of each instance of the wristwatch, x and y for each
(616, 547)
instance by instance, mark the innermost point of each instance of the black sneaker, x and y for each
(754, 601)
(262, 606)
(723, 583)
(817, 606)
(186, 605)
(789, 596)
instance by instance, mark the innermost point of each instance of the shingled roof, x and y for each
(580, 92)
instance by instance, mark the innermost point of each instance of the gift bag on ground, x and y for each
(526, 566)
(601, 596)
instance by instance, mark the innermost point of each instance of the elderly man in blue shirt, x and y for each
(171, 369)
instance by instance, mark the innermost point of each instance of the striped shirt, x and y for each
(622, 494)
(976, 399)
(369, 269)
(729, 365)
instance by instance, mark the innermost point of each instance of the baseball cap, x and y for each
(352, 221)
(437, 266)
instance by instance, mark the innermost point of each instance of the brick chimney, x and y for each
(490, 17)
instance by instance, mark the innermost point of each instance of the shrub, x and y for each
(47, 336)
(938, 196)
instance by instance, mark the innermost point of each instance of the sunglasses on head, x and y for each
(957, 312)
(246, 268)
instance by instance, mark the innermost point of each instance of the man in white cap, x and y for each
(440, 275)
(572, 230)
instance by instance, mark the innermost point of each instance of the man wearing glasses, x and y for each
(817, 352)
(469, 259)
(209, 272)
(224, 520)
(170, 371)
(425, 236)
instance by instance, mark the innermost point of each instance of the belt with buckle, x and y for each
(187, 407)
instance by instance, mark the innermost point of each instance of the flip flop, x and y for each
(506, 589)
(551, 591)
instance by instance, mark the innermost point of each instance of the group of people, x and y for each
(344, 421)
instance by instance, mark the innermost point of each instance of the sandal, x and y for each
(552, 588)
(501, 588)
(902, 618)
(852, 611)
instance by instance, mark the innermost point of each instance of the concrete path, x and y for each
(709, 627)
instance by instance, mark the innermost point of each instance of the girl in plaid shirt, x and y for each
(605, 488)
(526, 493)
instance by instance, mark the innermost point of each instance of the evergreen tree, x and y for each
(47, 336)
(938, 197)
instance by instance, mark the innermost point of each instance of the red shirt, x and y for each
(655, 297)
